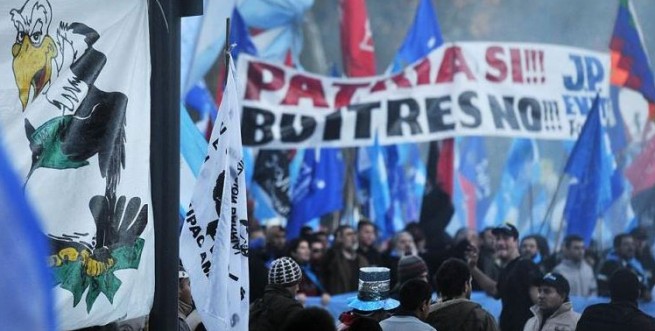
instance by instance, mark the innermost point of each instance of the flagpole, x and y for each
(551, 205)
(164, 22)
(227, 51)
(531, 206)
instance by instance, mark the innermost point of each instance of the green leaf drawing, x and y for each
(71, 275)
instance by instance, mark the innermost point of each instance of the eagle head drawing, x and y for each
(33, 50)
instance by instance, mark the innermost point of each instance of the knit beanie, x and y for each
(284, 271)
(410, 266)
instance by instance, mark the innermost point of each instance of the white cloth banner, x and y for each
(75, 120)
(469, 88)
(214, 237)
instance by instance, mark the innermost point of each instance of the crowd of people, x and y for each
(404, 284)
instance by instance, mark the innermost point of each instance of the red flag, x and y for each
(641, 172)
(445, 166)
(357, 48)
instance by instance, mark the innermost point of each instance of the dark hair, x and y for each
(619, 238)
(341, 228)
(293, 245)
(365, 222)
(413, 293)
(624, 285)
(451, 278)
(312, 318)
(365, 324)
(542, 244)
(481, 233)
(306, 231)
(416, 231)
(568, 240)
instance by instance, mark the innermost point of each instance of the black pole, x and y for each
(165, 157)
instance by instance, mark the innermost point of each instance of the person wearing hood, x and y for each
(456, 311)
(553, 311)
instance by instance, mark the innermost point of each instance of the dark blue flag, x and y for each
(239, 36)
(591, 166)
(318, 189)
(423, 37)
(26, 302)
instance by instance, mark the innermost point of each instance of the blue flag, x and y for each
(25, 283)
(318, 189)
(374, 188)
(423, 37)
(239, 36)
(591, 166)
(521, 168)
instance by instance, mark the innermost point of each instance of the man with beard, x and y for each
(342, 262)
(516, 285)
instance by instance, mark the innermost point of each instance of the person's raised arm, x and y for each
(485, 282)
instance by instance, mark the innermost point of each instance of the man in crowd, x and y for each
(366, 236)
(643, 253)
(342, 262)
(455, 311)
(553, 311)
(623, 256)
(622, 313)
(516, 283)
(575, 269)
(272, 311)
(414, 306)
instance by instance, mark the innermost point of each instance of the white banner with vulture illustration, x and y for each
(75, 119)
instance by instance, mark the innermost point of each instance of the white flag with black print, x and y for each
(214, 237)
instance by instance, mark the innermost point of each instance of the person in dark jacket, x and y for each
(273, 310)
(456, 311)
(623, 256)
(622, 313)
(516, 283)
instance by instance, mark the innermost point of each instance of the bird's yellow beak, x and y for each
(32, 66)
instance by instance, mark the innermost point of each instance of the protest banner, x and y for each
(469, 88)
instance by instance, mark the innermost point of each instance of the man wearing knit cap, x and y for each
(409, 267)
(553, 311)
(278, 303)
(622, 313)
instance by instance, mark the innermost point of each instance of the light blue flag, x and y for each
(193, 148)
(282, 21)
(423, 37)
(590, 165)
(26, 302)
(521, 168)
(318, 189)
(373, 181)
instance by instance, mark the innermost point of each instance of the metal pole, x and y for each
(165, 158)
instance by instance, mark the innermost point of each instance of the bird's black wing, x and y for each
(99, 127)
